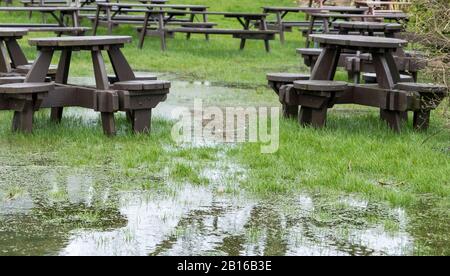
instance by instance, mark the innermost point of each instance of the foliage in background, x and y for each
(431, 26)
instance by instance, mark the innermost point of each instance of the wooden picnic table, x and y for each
(382, 50)
(387, 4)
(58, 13)
(99, 98)
(282, 12)
(245, 20)
(112, 10)
(369, 28)
(328, 18)
(11, 54)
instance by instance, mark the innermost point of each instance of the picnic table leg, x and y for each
(310, 31)
(326, 64)
(109, 18)
(62, 75)
(5, 66)
(142, 121)
(264, 28)
(205, 20)
(387, 76)
(101, 77)
(75, 22)
(120, 65)
(96, 21)
(23, 120)
(144, 30)
(191, 19)
(162, 32)
(246, 27)
(39, 70)
(280, 27)
(101, 80)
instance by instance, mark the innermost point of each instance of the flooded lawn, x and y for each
(59, 211)
(48, 209)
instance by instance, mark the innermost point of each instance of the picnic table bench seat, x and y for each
(314, 97)
(138, 97)
(277, 81)
(430, 96)
(54, 28)
(243, 35)
(372, 78)
(14, 79)
(113, 78)
(24, 69)
(24, 99)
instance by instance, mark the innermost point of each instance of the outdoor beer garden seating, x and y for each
(126, 92)
(391, 94)
(279, 80)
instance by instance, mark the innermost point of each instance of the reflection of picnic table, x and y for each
(328, 18)
(282, 12)
(137, 97)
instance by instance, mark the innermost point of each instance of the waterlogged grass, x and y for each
(356, 153)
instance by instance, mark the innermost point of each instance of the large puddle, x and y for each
(47, 210)
(51, 210)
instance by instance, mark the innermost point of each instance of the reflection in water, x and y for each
(78, 214)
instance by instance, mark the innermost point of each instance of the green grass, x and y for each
(355, 153)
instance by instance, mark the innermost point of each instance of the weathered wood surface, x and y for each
(16, 79)
(141, 85)
(320, 85)
(422, 87)
(368, 26)
(13, 32)
(286, 77)
(21, 88)
(360, 41)
(85, 41)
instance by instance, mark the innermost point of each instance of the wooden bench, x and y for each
(8, 80)
(24, 99)
(53, 28)
(138, 98)
(113, 78)
(243, 35)
(430, 96)
(372, 78)
(277, 81)
(315, 97)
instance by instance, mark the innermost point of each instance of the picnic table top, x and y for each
(378, 3)
(176, 6)
(359, 41)
(79, 41)
(13, 32)
(324, 8)
(45, 2)
(40, 9)
(154, 1)
(380, 15)
(368, 25)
